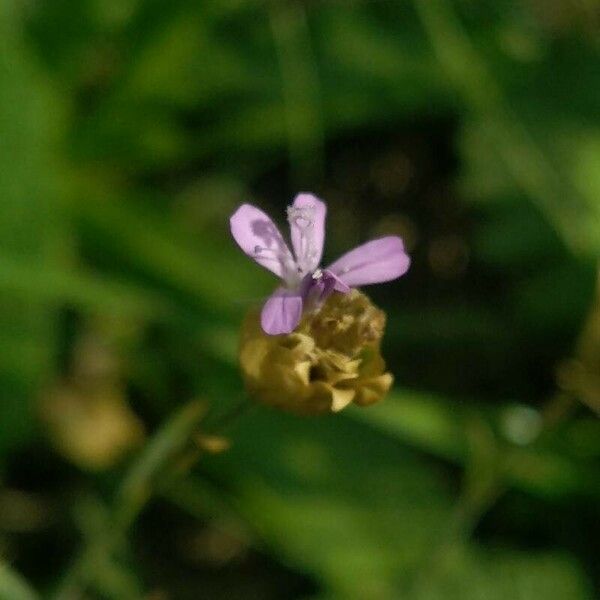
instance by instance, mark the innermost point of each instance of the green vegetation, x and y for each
(129, 132)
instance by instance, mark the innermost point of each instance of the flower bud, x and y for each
(331, 360)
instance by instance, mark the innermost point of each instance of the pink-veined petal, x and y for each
(260, 239)
(281, 312)
(376, 261)
(308, 232)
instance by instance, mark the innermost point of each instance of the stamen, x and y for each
(301, 216)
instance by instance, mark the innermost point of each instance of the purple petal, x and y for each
(374, 262)
(281, 312)
(307, 229)
(339, 286)
(317, 287)
(260, 239)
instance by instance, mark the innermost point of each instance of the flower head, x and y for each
(305, 286)
(331, 360)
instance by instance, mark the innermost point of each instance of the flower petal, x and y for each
(376, 261)
(308, 232)
(339, 286)
(281, 312)
(260, 239)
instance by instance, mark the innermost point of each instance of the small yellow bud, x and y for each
(213, 444)
(93, 427)
(331, 360)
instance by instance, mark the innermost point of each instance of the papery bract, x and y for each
(331, 360)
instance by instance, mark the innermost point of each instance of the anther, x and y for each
(302, 217)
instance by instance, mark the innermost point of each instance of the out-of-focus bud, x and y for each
(93, 428)
(331, 360)
(87, 416)
(213, 444)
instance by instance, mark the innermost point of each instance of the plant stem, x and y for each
(171, 449)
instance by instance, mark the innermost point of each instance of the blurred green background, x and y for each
(129, 132)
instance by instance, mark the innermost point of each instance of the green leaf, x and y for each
(470, 573)
(438, 426)
(13, 586)
(31, 221)
(344, 504)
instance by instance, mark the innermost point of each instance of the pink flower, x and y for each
(305, 285)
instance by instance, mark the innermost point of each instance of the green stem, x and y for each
(169, 442)
(170, 448)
